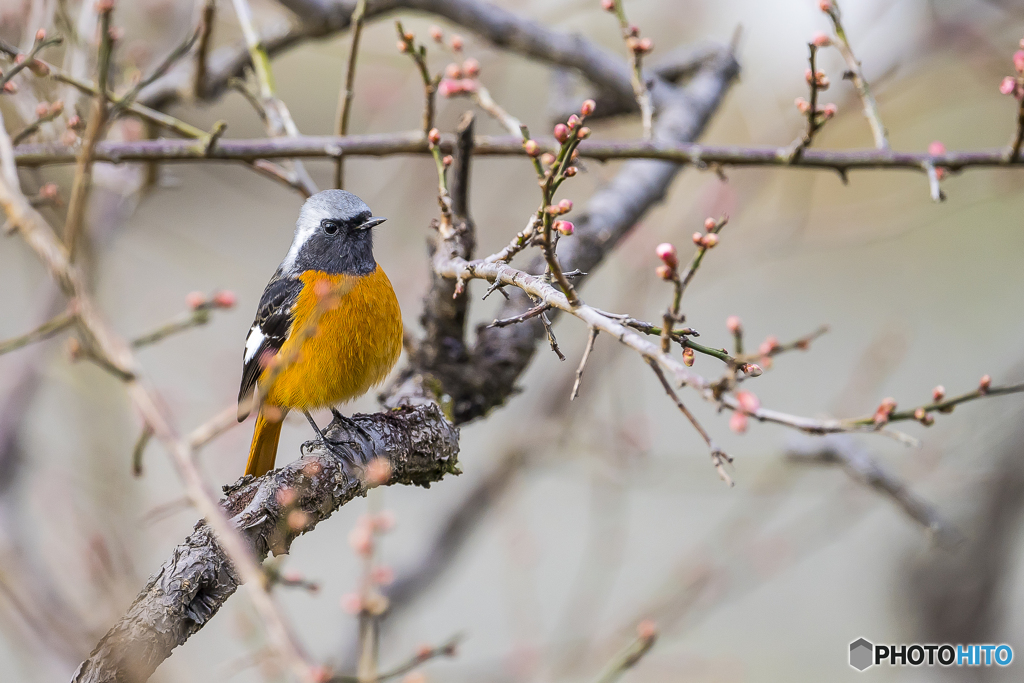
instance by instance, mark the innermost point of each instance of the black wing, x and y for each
(269, 331)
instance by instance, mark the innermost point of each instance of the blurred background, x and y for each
(593, 515)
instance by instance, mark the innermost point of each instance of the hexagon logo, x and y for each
(861, 654)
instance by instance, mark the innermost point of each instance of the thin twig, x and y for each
(628, 658)
(348, 88)
(446, 649)
(162, 68)
(200, 315)
(531, 313)
(45, 331)
(419, 56)
(202, 53)
(591, 338)
(94, 131)
(140, 449)
(857, 76)
(29, 61)
(640, 90)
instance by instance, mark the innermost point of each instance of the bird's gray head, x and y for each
(334, 235)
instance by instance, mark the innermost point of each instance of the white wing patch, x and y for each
(253, 342)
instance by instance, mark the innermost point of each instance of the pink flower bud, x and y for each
(10, 87)
(565, 206)
(447, 160)
(74, 121)
(195, 299)
(48, 191)
(573, 121)
(587, 108)
(938, 393)
(646, 629)
(570, 171)
(768, 346)
(352, 603)
(984, 384)
(402, 47)
(830, 110)
(547, 158)
(564, 227)
(688, 357)
(40, 35)
(645, 45)
(698, 237)
(734, 324)
(738, 422)
(1018, 61)
(457, 43)
(384, 521)
(825, 5)
(664, 272)
(583, 133)
(1008, 86)
(471, 67)
(752, 369)
(748, 401)
(468, 85)
(531, 147)
(709, 240)
(225, 298)
(561, 132)
(453, 71)
(448, 87)
(608, 5)
(667, 253)
(42, 109)
(434, 136)
(820, 39)
(802, 105)
(382, 575)
(436, 33)
(56, 107)
(361, 539)
(936, 149)
(709, 224)
(919, 414)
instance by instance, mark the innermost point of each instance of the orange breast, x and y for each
(355, 345)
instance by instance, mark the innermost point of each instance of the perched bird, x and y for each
(331, 311)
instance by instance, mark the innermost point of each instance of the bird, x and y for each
(331, 312)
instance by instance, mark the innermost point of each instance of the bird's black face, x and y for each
(334, 234)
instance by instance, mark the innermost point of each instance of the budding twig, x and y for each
(198, 315)
(348, 88)
(29, 61)
(923, 412)
(407, 44)
(831, 8)
(94, 131)
(638, 47)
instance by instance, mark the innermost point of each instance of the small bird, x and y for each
(345, 352)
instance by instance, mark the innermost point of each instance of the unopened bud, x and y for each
(564, 227)
(1018, 61)
(195, 299)
(225, 299)
(698, 237)
(938, 393)
(40, 35)
(453, 71)
(565, 206)
(436, 33)
(608, 5)
(471, 67)
(830, 110)
(984, 384)
(447, 160)
(1008, 86)
(434, 136)
(820, 39)
(752, 369)
(402, 47)
(644, 45)
(709, 224)
(665, 272)
(646, 629)
(802, 105)
(688, 357)
(583, 133)
(667, 253)
(448, 87)
(570, 171)
(547, 158)
(825, 5)
(734, 324)
(768, 346)
(573, 121)
(352, 603)
(10, 87)
(69, 138)
(42, 109)
(588, 107)
(748, 401)
(531, 147)
(48, 191)
(709, 240)
(56, 107)
(457, 43)
(738, 422)
(378, 471)
(936, 148)
(561, 132)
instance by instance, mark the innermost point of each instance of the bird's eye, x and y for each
(330, 227)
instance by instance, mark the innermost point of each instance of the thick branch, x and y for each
(185, 593)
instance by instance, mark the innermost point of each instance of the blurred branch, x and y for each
(412, 142)
(348, 88)
(202, 53)
(186, 592)
(633, 653)
(45, 331)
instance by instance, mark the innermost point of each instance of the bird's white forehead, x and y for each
(336, 204)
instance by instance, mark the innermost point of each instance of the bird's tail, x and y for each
(263, 451)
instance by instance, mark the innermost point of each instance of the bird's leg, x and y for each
(327, 443)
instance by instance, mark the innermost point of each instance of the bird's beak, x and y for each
(375, 220)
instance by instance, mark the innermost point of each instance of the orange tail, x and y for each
(263, 451)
